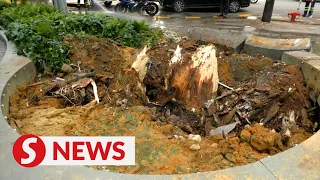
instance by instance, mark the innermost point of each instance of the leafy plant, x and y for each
(4, 4)
(38, 31)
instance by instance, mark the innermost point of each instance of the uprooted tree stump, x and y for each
(195, 79)
(192, 77)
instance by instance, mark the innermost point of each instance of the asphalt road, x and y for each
(281, 8)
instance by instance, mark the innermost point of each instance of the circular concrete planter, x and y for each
(300, 162)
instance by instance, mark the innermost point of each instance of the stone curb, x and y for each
(310, 65)
(300, 161)
(3, 47)
(234, 39)
(273, 47)
(286, 33)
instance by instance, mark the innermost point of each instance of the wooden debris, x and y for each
(271, 113)
(227, 118)
(37, 83)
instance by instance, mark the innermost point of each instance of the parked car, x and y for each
(74, 2)
(181, 5)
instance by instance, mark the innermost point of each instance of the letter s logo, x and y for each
(29, 150)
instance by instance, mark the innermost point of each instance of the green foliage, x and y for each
(170, 40)
(4, 5)
(38, 31)
(21, 12)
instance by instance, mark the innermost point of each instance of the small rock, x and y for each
(66, 68)
(95, 46)
(245, 135)
(214, 145)
(118, 102)
(162, 119)
(173, 119)
(176, 136)
(264, 139)
(190, 136)
(194, 147)
(125, 101)
(230, 157)
(256, 93)
(167, 113)
(193, 137)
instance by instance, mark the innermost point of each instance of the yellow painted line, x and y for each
(192, 17)
(217, 17)
(244, 15)
(162, 17)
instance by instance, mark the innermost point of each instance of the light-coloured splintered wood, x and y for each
(195, 77)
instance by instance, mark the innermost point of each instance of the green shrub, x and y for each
(38, 31)
(4, 5)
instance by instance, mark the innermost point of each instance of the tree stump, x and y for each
(194, 77)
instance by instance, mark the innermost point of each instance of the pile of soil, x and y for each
(268, 103)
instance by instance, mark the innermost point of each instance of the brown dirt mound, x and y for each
(112, 63)
(156, 151)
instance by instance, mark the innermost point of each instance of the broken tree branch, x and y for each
(225, 86)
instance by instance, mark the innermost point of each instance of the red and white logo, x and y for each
(30, 150)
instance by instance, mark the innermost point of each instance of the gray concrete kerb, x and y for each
(310, 66)
(3, 47)
(274, 47)
(233, 39)
(15, 70)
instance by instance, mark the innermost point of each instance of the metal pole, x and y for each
(267, 12)
(309, 8)
(61, 5)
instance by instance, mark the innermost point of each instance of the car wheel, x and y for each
(234, 6)
(253, 1)
(152, 9)
(179, 5)
(107, 3)
(120, 8)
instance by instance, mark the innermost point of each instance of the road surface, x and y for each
(281, 8)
